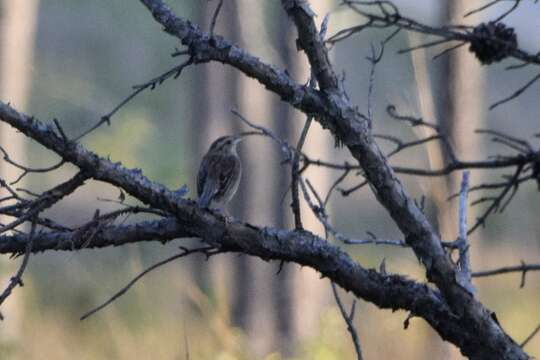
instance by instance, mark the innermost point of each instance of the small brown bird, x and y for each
(220, 171)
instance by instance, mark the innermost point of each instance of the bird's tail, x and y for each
(206, 197)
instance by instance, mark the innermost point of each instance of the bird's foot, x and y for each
(221, 212)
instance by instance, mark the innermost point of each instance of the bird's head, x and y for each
(228, 143)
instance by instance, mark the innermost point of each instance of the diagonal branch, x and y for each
(335, 112)
(349, 321)
(386, 291)
(46, 200)
(206, 250)
(311, 42)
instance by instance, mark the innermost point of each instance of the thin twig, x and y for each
(387, 15)
(206, 250)
(295, 203)
(334, 186)
(215, 17)
(422, 46)
(414, 121)
(26, 169)
(374, 59)
(347, 192)
(174, 72)
(349, 321)
(497, 201)
(523, 268)
(508, 12)
(516, 93)
(531, 336)
(320, 213)
(449, 49)
(17, 279)
(47, 199)
(524, 144)
(481, 8)
(295, 167)
(285, 147)
(464, 262)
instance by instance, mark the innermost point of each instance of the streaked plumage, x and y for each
(220, 172)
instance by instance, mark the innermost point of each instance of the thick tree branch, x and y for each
(310, 41)
(469, 325)
(204, 48)
(353, 131)
(113, 235)
(303, 248)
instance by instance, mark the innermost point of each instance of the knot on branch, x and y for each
(493, 42)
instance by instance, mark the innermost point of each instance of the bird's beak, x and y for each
(249, 133)
(244, 135)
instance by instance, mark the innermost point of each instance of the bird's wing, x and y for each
(206, 187)
(217, 175)
(207, 195)
(229, 171)
(201, 176)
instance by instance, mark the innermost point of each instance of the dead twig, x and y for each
(17, 278)
(349, 321)
(175, 72)
(206, 250)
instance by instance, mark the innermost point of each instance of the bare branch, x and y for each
(108, 235)
(175, 72)
(495, 36)
(374, 59)
(301, 247)
(26, 169)
(347, 192)
(215, 17)
(206, 250)
(494, 2)
(413, 121)
(497, 201)
(310, 41)
(464, 262)
(332, 108)
(334, 186)
(46, 200)
(516, 93)
(349, 321)
(523, 146)
(523, 269)
(482, 8)
(295, 204)
(448, 50)
(320, 213)
(530, 337)
(17, 279)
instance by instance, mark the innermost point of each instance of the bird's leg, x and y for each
(221, 212)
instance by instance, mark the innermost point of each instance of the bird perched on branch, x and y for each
(220, 171)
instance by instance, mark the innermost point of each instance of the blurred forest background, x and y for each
(76, 60)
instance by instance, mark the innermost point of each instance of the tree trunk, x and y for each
(17, 28)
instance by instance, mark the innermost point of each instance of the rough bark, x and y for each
(452, 311)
